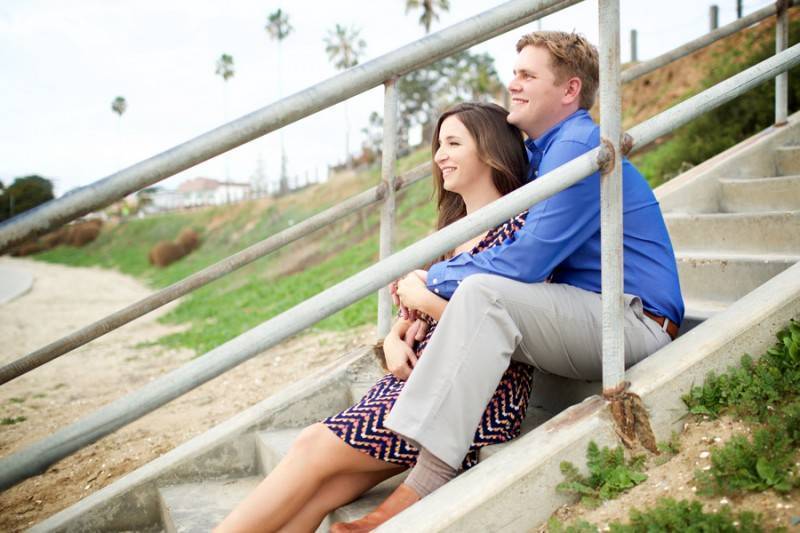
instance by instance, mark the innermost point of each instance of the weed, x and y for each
(609, 475)
(765, 462)
(669, 515)
(669, 449)
(9, 421)
(16, 400)
(685, 516)
(755, 388)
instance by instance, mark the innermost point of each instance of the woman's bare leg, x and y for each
(315, 456)
(339, 490)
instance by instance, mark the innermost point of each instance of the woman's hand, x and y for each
(400, 357)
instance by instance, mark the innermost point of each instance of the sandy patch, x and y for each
(65, 298)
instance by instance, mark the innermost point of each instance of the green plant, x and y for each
(756, 387)
(609, 475)
(684, 516)
(9, 421)
(669, 449)
(767, 461)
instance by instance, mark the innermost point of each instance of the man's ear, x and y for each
(572, 90)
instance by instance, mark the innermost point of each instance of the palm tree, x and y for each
(119, 105)
(278, 28)
(224, 69)
(344, 47)
(429, 13)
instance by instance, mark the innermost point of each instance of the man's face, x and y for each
(536, 100)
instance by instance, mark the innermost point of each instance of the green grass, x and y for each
(257, 292)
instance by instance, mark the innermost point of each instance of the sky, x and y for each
(64, 62)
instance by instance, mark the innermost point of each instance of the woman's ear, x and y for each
(572, 90)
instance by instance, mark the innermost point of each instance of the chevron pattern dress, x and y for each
(361, 426)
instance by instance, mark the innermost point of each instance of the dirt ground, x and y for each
(61, 392)
(675, 479)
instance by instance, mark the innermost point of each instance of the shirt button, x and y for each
(459, 282)
(436, 291)
(435, 280)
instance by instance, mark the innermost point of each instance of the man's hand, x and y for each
(405, 313)
(412, 291)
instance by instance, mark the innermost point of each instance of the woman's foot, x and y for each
(402, 498)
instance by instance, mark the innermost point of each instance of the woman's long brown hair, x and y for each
(499, 145)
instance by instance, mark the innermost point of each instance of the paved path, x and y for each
(14, 280)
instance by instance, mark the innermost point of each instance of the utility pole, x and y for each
(634, 51)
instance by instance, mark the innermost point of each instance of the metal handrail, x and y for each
(338, 88)
(205, 276)
(37, 457)
(119, 318)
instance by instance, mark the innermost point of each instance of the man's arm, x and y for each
(553, 230)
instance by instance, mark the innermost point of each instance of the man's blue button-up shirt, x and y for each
(561, 236)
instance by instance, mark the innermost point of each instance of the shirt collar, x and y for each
(541, 143)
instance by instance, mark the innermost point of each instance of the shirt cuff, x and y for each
(437, 283)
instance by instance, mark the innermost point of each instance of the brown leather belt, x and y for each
(672, 327)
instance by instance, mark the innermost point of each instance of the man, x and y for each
(536, 299)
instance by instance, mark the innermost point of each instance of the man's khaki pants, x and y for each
(490, 320)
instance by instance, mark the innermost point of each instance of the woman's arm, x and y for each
(413, 294)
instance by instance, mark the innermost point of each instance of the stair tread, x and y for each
(201, 506)
(736, 257)
(780, 213)
(761, 180)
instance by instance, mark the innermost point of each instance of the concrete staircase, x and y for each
(741, 232)
(735, 224)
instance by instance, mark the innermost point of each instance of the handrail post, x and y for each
(611, 200)
(388, 164)
(782, 80)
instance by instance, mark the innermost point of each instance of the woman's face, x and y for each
(457, 158)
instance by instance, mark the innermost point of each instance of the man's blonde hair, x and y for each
(571, 55)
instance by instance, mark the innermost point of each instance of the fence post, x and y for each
(782, 80)
(634, 49)
(388, 163)
(611, 200)
(713, 17)
(738, 9)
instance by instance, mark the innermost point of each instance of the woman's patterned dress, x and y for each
(361, 426)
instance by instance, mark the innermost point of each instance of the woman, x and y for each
(478, 157)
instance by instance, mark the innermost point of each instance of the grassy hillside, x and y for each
(722, 128)
(230, 306)
(269, 286)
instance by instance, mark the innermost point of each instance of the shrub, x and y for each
(189, 239)
(83, 233)
(165, 253)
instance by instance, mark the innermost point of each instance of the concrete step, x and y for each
(697, 312)
(750, 233)
(724, 278)
(760, 194)
(196, 507)
(273, 445)
(787, 160)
